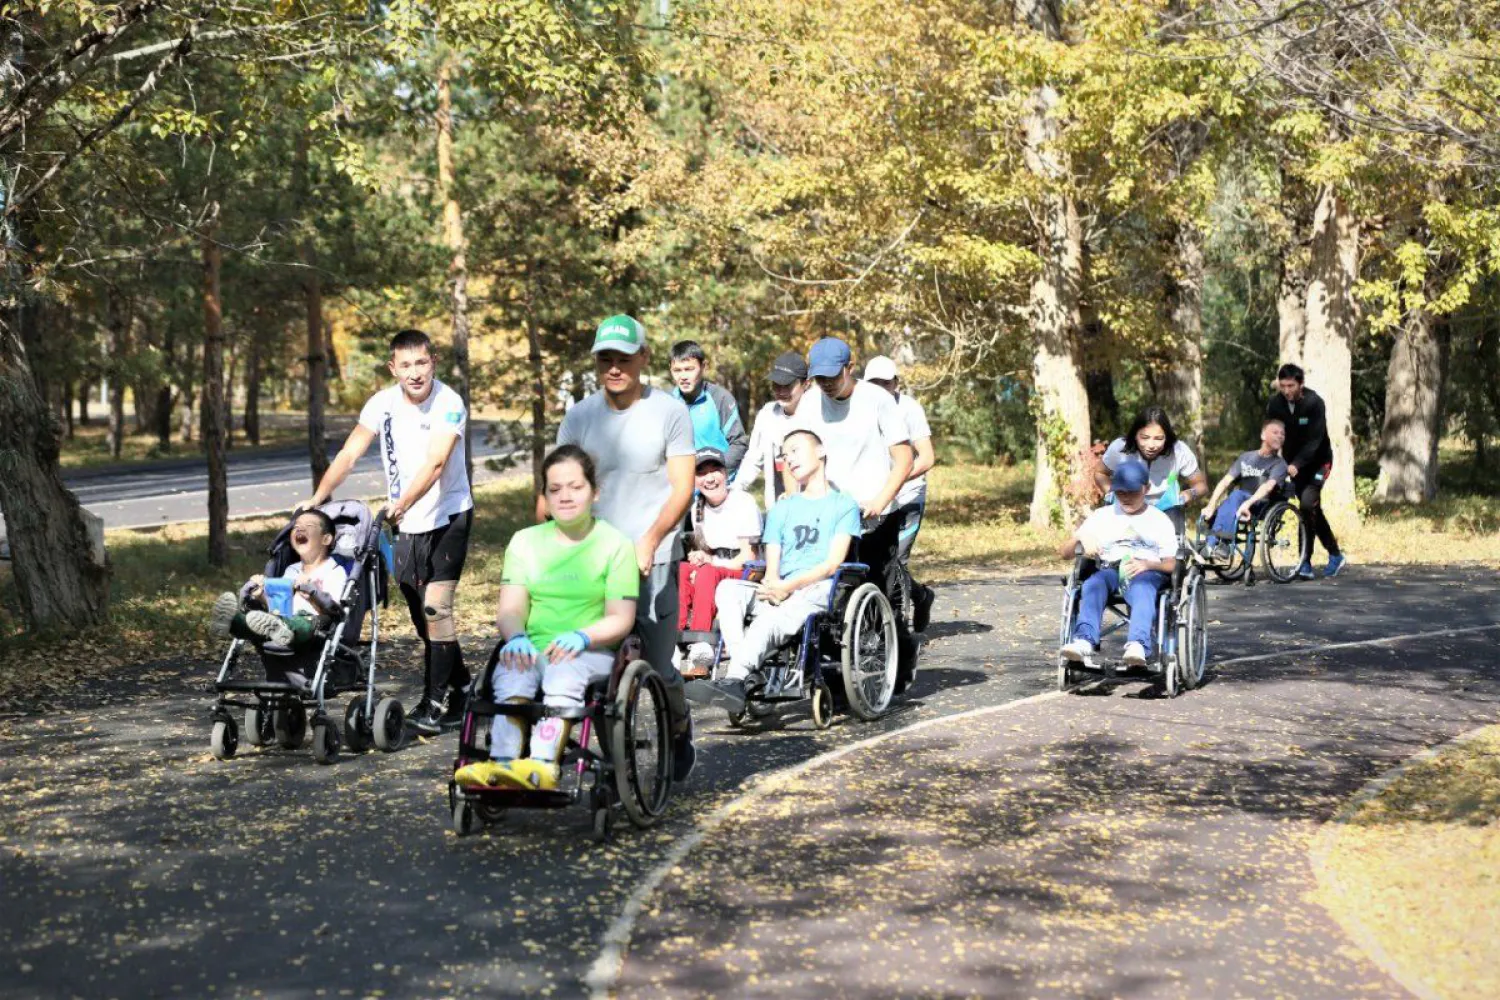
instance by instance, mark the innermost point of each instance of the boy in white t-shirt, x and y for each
(317, 584)
(1135, 546)
(726, 528)
(421, 425)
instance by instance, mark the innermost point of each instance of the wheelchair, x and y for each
(852, 639)
(1180, 655)
(1275, 532)
(618, 757)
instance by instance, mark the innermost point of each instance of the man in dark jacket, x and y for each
(1309, 457)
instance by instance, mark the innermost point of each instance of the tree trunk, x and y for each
(252, 388)
(212, 413)
(119, 334)
(538, 404)
(312, 302)
(1415, 380)
(83, 401)
(67, 406)
(229, 384)
(1332, 317)
(1179, 384)
(1061, 406)
(453, 235)
(185, 425)
(57, 548)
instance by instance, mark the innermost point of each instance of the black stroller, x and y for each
(277, 707)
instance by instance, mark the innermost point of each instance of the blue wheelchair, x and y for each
(1180, 656)
(852, 641)
(1275, 532)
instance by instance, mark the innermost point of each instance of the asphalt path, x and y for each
(149, 495)
(132, 864)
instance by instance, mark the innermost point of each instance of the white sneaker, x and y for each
(701, 654)
(1077, 651)
(1135, 654)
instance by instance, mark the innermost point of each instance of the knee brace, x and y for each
(437, 609)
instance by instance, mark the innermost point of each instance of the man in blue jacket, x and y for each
(716, 416)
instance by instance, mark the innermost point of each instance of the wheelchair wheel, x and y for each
(1192, 633)
(640, 743)
(1238, 564)
(1070, 602)
(822, 705)
(1283, 536)
(869, 655)
(1065, 676)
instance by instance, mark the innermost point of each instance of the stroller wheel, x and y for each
(356, 730)
(389, 724)
(325, 741)
(225, 739)
(260, 727)
(291, 725)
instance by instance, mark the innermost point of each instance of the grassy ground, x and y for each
(1416, 871)
(976, 525)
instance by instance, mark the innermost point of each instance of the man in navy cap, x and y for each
(869, 457)
(788, 383)
(1135, 546)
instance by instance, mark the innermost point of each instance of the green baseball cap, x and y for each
(619, 333)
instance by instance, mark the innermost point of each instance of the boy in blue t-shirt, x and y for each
(807, 536)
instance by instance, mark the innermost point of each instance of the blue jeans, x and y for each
(1224, 517)
(1140, 596)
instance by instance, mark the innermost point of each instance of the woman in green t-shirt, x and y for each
(567, 599)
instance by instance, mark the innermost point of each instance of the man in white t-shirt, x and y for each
(772, 424)
(641, 440)
(911, 502)
(420, 423)
(1135, 546)
(869, 457)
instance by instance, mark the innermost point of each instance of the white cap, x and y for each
(881, 367)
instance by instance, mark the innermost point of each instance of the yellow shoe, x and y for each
(537, 775)
(481, 774)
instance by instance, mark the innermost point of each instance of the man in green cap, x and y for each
(641, 440)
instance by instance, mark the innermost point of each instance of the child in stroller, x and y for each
(280, 616)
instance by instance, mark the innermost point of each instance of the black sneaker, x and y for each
(453, 708)
(426, 718)
(921, 612)
(684, 753)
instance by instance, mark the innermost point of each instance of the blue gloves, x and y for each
(572, 643)
(520, 647)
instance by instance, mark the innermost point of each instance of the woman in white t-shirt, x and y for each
(1176, 477)
(726, 528)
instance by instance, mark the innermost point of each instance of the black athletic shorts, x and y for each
(423, 557)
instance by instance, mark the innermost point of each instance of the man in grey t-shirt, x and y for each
(641, 440)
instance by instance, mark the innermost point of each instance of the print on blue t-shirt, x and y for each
(805, 529)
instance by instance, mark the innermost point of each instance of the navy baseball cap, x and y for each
(710, 455)
(1130, 477)
(828, 357)
(788, 369)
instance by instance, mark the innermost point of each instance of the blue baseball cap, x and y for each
(828, 357)
(1130, 477)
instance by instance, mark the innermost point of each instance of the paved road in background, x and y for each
(153, 494)
(134, 865)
